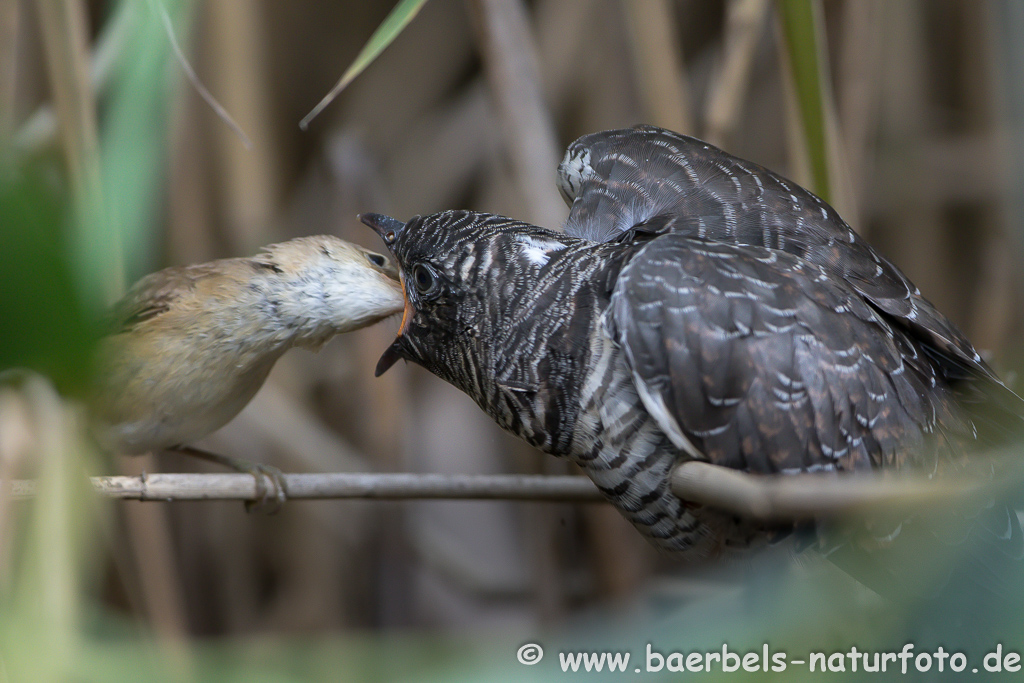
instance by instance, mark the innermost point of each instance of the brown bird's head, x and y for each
(337, 283)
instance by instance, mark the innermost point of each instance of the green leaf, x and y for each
(45, 323)
(800, 26)
(134, 132)
(400, 16)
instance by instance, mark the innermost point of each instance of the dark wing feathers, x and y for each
(764, 368)
(769, 337)
(670, 183)
(638, 173)
(650, 180)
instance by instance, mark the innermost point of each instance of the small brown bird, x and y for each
(191, 345)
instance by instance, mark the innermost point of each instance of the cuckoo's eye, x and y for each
(424, 279)
(376, 259)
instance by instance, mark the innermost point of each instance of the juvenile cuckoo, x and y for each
(697, 306)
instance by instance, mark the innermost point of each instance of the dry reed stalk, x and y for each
(65, 39)
(859, 64)
(658, 64)
(757, 496)
(238, 74)
(9, 16)
(510, 59)
(745, 24)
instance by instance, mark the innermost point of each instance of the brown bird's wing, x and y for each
(761, 364)
(154, 294)
(650, 180)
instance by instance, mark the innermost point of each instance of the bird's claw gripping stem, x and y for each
(266, 500)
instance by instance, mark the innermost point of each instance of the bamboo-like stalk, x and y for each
(17, 442)
(238, 76)
(373, 486)
(796, 143)
(762, 497)
(65, 39)
(510, 62)
(48, 589)
(907, 140)
(657, 60)
(510, 59)
(993, 306)
(806, 60)
(745, 22)
(8, 60)
(810, 496)
(564, 28)
(802, 43)
(859, 63)
(159, 583)
(40, 128)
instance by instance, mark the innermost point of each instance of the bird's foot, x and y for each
(269, 499)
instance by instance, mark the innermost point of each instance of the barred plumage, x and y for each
(699, 306)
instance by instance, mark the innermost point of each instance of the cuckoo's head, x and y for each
(597, 154)
(464, 274)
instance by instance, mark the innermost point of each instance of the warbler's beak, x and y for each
(386, 227)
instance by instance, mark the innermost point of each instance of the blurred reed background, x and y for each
(113, 166)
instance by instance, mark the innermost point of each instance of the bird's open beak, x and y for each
(394, 352)
(391, 355)
(388, 229)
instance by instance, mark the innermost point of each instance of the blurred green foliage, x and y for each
(44, 325)
(133, 136)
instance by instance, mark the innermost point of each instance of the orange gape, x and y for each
(406, 312)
